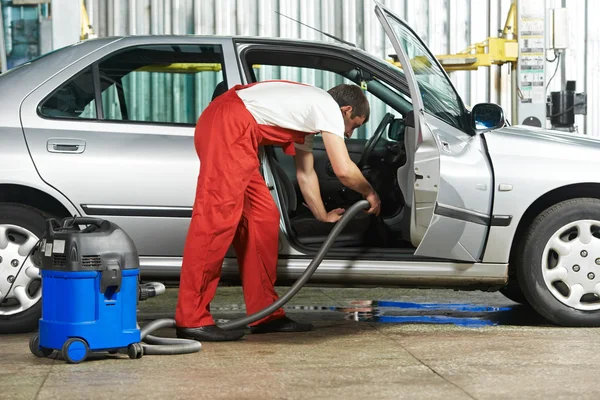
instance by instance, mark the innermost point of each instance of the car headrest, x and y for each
(219, 90)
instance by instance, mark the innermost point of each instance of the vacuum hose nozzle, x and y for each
(151, 289)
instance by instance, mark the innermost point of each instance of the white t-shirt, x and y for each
(294, 106)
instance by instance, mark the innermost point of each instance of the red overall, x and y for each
(233, 204)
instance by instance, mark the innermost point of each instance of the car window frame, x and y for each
(95, 66)
(242, 46)
(465, 117)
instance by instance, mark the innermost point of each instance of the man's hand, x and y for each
(334, 215)
(373, 199)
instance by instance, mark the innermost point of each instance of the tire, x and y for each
(559, 260)
(513, 292)
(34, 221)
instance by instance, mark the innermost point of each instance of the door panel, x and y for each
(462, 212)
(451, 178)
(420, 175)
(137, 168)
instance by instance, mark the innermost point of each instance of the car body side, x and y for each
(535, 163)
(534, 169)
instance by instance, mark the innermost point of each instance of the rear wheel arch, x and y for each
(35, 198)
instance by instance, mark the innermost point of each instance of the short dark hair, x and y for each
(351, 95)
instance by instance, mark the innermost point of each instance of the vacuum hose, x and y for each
(155, 345)
(310, 270)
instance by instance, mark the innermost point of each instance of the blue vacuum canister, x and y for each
(90, 284)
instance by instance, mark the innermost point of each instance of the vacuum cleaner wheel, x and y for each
(75, 350)
(36, 350)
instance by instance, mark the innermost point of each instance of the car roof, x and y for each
(237, 38)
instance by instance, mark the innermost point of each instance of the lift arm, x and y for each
(87, 32)
(492, 51)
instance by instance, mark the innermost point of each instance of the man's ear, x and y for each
(346, 109)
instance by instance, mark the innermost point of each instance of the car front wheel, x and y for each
(559, 263)
(20, 283)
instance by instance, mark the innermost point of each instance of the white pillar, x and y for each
(3, 62)
(66, 22)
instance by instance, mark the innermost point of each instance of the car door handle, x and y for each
(60, 145)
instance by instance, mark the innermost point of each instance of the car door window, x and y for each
(168, 84)
(75, 99)
(438, 95)
(160, 84)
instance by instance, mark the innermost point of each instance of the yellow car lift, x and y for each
(492, 51)
(86, 28)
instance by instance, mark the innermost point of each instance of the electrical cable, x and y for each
(567, 110)
(555, 71)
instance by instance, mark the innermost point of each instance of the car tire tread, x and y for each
(529, 270)
(34, 220)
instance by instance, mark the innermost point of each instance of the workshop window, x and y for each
(169, 84)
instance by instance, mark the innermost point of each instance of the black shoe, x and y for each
(209, 333)
(283, 324)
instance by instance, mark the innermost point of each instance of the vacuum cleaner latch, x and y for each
(111, 276)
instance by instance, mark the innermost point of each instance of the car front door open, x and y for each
(447, 178)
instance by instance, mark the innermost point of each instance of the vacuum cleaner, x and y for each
(91, 289)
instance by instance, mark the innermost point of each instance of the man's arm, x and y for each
(347, 172)
(309, 186)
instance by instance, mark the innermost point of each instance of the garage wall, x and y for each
(446, 26)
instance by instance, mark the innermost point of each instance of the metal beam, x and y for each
(563, 61)
(66, 23)
(585, 61)
(3, 62)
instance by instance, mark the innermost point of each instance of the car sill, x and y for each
(381, 273)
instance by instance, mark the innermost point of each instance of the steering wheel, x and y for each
(371, 144)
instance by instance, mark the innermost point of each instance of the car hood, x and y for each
(537, 142)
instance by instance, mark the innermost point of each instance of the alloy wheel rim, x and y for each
(571, 265)
(20, 285)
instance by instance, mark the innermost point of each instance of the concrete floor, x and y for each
(436, 344)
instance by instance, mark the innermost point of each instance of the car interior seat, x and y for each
(307, 229)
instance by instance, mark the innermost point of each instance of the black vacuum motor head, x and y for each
(101, 245)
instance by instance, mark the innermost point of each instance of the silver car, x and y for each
(105, 128)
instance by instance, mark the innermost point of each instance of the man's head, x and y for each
(353, 104)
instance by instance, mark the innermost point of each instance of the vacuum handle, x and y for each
(101, 224)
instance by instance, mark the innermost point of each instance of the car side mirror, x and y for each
(487, 116)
